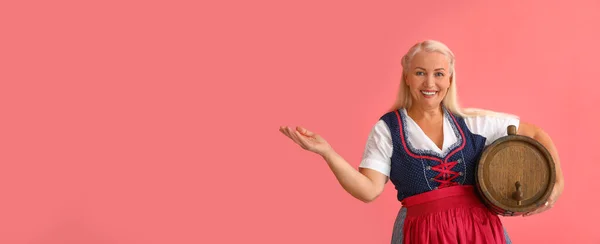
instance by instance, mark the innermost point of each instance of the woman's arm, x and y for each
(530, 130)
(364, 184)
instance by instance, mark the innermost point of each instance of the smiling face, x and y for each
(428, 79)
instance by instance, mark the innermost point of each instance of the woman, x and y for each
(428, 147)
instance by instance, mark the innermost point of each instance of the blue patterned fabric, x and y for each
(413, 170)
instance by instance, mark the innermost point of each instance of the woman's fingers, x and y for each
(300, 139)
(549, 204)
(284, 131)
(292, 135)
(303, 140)
(304, 131)
(297, 136)
(537, 211)
(542, 209)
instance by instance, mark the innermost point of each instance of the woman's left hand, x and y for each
(549, 204)
(532, 131)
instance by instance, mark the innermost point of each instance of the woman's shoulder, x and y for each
(391, 114)
(382, 128)
(487, 116)
(489, 124)
(480, 112)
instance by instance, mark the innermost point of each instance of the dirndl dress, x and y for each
(437, 190)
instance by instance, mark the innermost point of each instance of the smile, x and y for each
(429, 93)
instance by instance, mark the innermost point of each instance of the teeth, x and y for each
(429, 93)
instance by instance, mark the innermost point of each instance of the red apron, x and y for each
(450, 215)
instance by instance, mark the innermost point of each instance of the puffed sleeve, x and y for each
(378, 149)
(493, 126)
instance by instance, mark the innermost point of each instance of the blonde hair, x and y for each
(450, 101)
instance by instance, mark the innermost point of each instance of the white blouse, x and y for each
(378, 149)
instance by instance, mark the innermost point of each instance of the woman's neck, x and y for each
(425, 114)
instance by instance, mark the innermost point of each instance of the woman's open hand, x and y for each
(308, 140)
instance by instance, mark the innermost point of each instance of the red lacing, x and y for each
(446, 174)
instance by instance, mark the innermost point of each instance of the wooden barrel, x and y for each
(515, 175)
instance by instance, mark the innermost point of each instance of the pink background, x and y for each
(157, 121)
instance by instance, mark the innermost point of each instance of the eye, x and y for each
(439, 74)
(420, 73)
